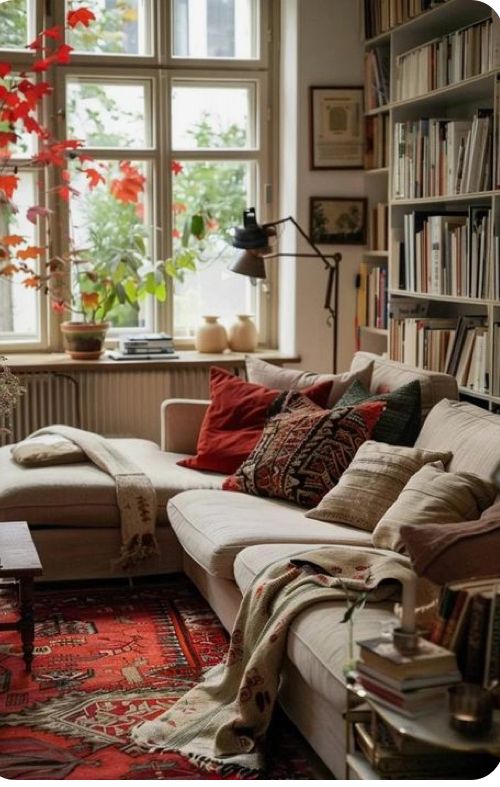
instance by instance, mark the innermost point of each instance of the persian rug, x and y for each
(107, 659)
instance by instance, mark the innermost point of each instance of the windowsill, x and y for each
(59, 362)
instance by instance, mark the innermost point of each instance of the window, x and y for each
(177, 91)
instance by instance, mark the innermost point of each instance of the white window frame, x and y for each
(162, 69)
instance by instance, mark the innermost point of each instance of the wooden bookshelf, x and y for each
(461, 100)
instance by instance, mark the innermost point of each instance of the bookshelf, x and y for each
(442, 265)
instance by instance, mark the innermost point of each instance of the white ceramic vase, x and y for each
(210, 337)
(243, 335)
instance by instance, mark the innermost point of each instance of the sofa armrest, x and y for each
(180, 424)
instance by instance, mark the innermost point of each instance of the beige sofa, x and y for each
(223, 539)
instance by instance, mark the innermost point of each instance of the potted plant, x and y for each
(97, 283)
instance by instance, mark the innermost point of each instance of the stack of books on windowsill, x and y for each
(412, 685)
(152, 346)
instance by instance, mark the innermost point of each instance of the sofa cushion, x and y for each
(317, 650)
(449, 553)
(388, 375)
(301, 455)
(235, 418)
(47, 449)
(372, 483)
(264, 373)
(401, 420)
(432, 495)
(83, 495)
(214, 526)
(471, 433)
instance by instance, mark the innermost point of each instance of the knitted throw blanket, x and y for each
(224, 719)
(135, 494)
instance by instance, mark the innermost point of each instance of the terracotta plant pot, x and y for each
(243, 336)
(84, 341)
(210, 336)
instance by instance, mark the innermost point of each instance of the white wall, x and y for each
(320, 46)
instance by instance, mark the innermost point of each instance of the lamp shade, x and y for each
(249, 264)
(251, 235)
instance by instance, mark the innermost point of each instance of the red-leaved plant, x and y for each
(96, 286)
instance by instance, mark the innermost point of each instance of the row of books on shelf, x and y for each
(468, 624)
(377, 139)
(447, 253)
(372, 296)
(383, 15)
(445, 345)
(495, 377)
(434, 157)
(377, 77)
(445, 61)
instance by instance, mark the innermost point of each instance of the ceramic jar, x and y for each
(210, 337)
(243, 336)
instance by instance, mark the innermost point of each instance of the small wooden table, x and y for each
(20, 563)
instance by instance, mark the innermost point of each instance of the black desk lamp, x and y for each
(254, 240)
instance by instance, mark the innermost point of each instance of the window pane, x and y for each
(106, 114)
(14, 24)
(108, 230)
(219, 191)
(212, 117)
(215, 29)
(25, 143)
(121, 27)
(19, 306)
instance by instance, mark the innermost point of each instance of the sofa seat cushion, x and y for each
(317, 650)
(214, 526)
(82, 495)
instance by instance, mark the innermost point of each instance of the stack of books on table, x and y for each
(145, 347)
(412, 685)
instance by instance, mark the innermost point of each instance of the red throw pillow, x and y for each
(302, 455)
(235, 419)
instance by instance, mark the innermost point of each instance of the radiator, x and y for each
(112, 403)
(49, 398)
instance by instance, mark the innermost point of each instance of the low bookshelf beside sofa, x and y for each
(222, 540)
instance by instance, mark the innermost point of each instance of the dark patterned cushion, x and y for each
(401, 420)
(301, 455)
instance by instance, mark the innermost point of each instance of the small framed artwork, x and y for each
(336, 127)
(338, 220)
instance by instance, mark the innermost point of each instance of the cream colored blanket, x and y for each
(135, 494)
(225, 718)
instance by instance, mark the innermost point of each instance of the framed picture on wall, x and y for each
(336, 127)
(338, 220)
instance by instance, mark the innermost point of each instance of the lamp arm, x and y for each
(336, 257)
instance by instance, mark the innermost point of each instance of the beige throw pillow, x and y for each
(47, 449)
(263, 373)
(433, 496)
(371, 484)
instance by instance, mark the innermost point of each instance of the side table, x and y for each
(432, 729)
(19, 565)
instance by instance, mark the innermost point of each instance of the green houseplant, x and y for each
(114, 272)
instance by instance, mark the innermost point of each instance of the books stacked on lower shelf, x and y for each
(468, 357)
(423, 342)
(410, 685)
(376, 142)
(379, 227)
(372, 296)
(469, 624)
(396, 756)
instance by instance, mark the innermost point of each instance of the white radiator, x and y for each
(113, 403)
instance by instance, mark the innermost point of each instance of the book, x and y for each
(431, 659)
(407, 684)
(410, 700)
(115, 355)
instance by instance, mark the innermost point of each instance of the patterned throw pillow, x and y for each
(402, 418)
(372, 483)
(301, 455)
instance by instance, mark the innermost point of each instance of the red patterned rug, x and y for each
(105, 659)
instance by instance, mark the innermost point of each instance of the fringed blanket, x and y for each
(225, 718)
(135, 494)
